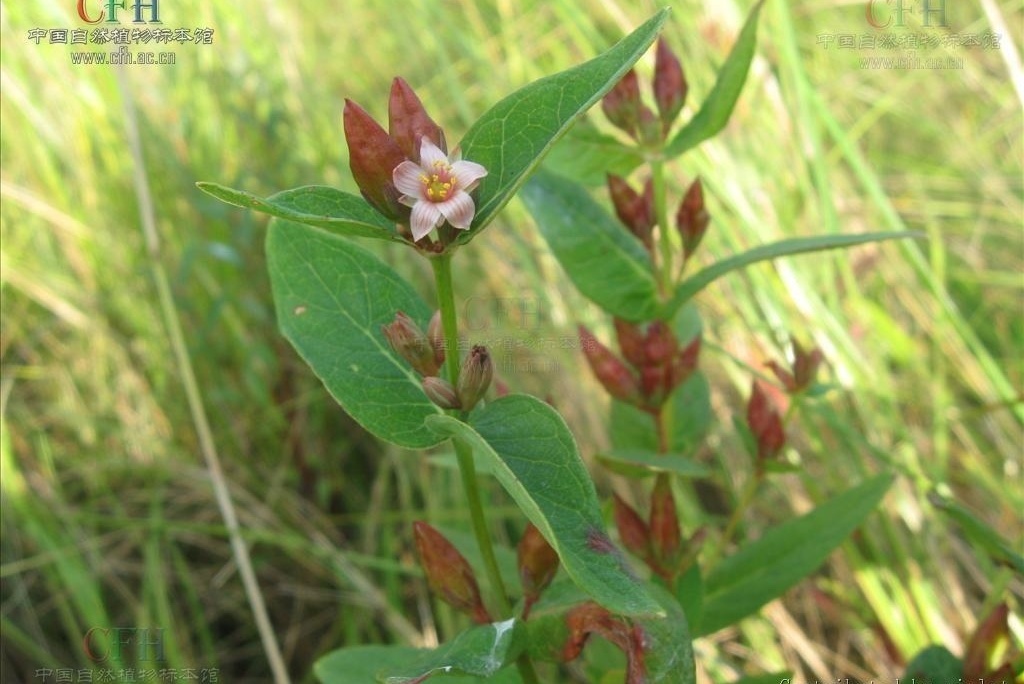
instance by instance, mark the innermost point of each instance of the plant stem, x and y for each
(467, 469)
(665, 231)
(746, 498)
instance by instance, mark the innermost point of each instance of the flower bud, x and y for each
(449, 573)
(669, 85)
(632, 529)
(538, 562)
(984, 642)
(685, 362)
(661, 344)
(655, 384)
(409, 123)
(632, 342)
(622, 103)
(475, 377)
(805, 365)
(411, 344)
(765, 423)
(666, 538)
(441, 393)
(610, 371)
(634, 210)
(692, 218)
(435, 335)
(373, 156)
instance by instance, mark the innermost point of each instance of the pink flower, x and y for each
(437, 189)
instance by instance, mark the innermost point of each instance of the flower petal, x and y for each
(425, 216)
(431, 154)
(467, 174)
(458, 209)
(407, 177)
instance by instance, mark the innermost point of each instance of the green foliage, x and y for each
(332, 297)
(698, 281)
(363, 664)
(480, 651)
(512, 137)
(534, 456)
(687, 420)
(609, 266)
(762, 570)
(935, 665)
(644, 462)
(716, 109)
(314, 205)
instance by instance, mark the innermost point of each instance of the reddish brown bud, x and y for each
(435, 335)
(622, 103)
(373, 156)
(805, 368)
(692, 218)
(686, 362)
(408, 340)
(655, 384)
(666, 538)
(409, 122)
(475, 377)
(636, 211)
(441, 393)
(765, 423)
(669, 85)
(805, 365)
(449, 573)
(784, 376)
(631, 342)
(661, 344)
(984, 642)
(633, 531)
(609, 370)
(538, 562)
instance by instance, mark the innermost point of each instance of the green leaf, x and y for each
(978, 531)
(697, 282)
(764, 569)
(513, 136)
(690, 594)
(935, 665)
(717, 108)
(603, 260)
(668, 653)
(332, 297)
(361, 664)
(642, 462)
(534, 457)
(480, 651)
(587, 156)
(314, 205)
(687, 419)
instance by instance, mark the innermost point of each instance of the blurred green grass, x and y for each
(108, 514)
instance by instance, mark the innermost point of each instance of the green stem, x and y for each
(665, 230)
(467, 469)
(746, 498)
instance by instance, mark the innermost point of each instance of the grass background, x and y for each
(108, 511)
